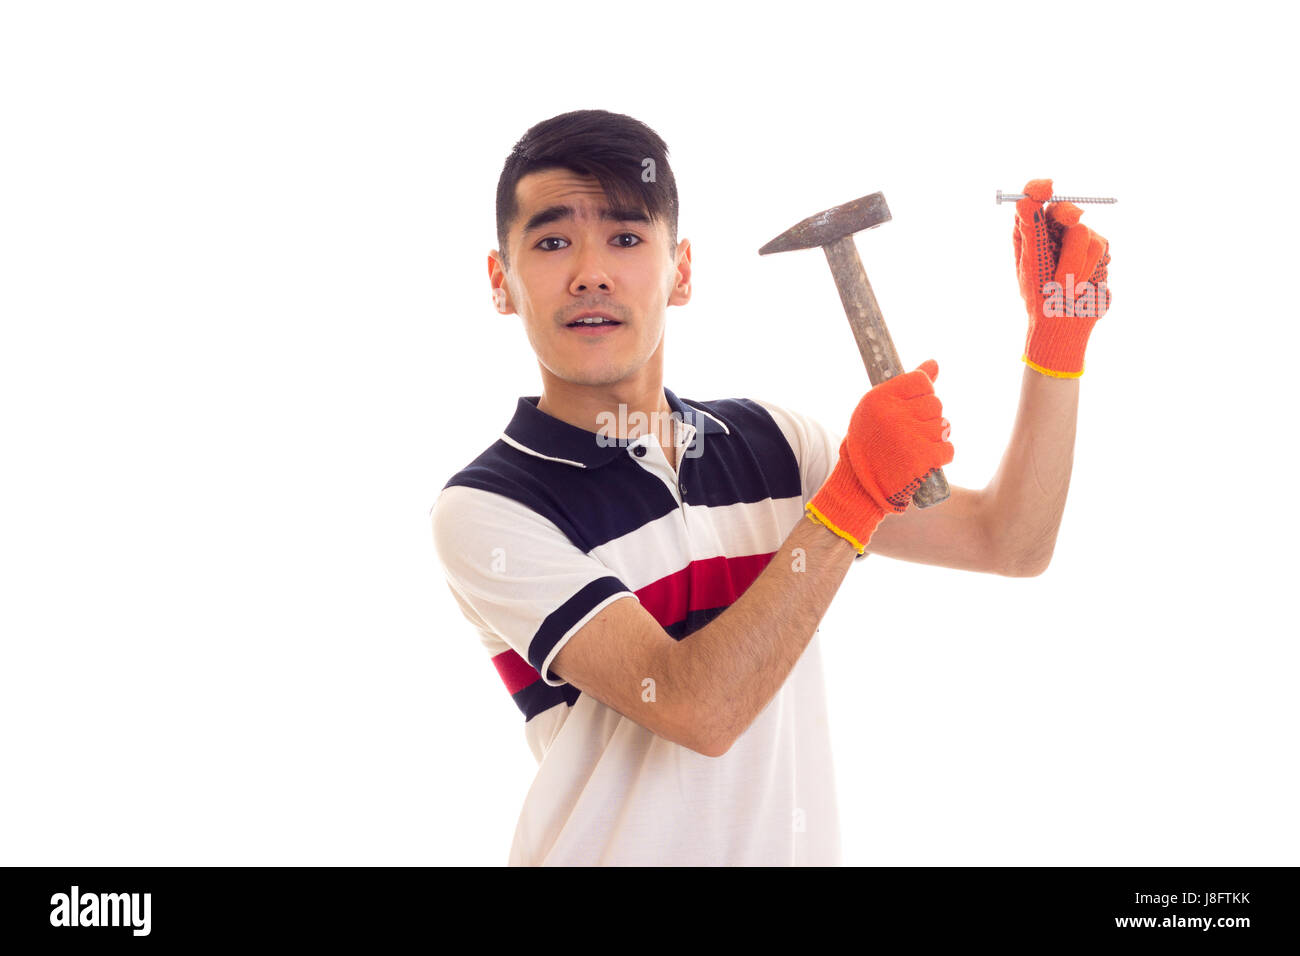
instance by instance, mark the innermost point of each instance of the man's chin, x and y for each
(589, 377)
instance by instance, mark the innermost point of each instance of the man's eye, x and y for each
(636, 241)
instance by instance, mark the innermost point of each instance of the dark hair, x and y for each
(610, 146)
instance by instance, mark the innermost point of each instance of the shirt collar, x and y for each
(537, 433)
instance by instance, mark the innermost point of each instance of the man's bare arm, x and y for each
(1026, 498)
(744, 655)
(954, 534)
(711, 686)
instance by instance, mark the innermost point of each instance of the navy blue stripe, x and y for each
(753, 463)
(540, 696)
(592, 506)
(693, 621)
(559, 621)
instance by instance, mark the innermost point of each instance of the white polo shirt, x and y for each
(548, 526)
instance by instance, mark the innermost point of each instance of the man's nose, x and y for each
(589, 271)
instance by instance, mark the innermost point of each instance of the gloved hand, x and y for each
(896, 437)
(1052, 246)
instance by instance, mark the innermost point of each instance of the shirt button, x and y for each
(639, 451)
(683, 487)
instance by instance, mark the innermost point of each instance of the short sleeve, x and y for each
(816, 447)
(517, 574)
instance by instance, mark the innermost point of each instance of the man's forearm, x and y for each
(740, 659)
(1026, 497)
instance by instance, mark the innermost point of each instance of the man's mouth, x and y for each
(592, 321)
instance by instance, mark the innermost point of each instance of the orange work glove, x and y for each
(896, 437)
(1061, 266)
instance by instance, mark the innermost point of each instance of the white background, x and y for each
(248, 336)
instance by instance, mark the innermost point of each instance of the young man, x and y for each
(688, 725)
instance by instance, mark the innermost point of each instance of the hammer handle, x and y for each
(877, 348)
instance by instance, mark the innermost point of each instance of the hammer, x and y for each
(833, 230)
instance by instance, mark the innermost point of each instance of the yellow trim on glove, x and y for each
(1047, 371)
(815, 516)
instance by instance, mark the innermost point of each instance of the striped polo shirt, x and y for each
(552, 523)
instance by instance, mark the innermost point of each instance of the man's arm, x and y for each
(1009, 527)
(711, 686)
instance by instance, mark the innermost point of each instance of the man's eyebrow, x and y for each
(555, 213)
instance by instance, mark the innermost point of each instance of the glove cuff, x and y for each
(1055, 347)
(843, 506)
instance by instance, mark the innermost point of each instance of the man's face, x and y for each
(579, 262)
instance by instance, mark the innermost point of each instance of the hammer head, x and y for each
(831, 224)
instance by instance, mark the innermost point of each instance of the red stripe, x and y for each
(515, 671)
(701, 585)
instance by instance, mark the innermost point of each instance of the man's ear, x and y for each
(680, 293)
(500, 288)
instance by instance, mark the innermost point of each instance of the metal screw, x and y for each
(1012, 197)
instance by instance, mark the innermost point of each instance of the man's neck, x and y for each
(625, 410)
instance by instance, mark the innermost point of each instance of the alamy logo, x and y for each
(101, 909)
(661, 424)
(1083, 300)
